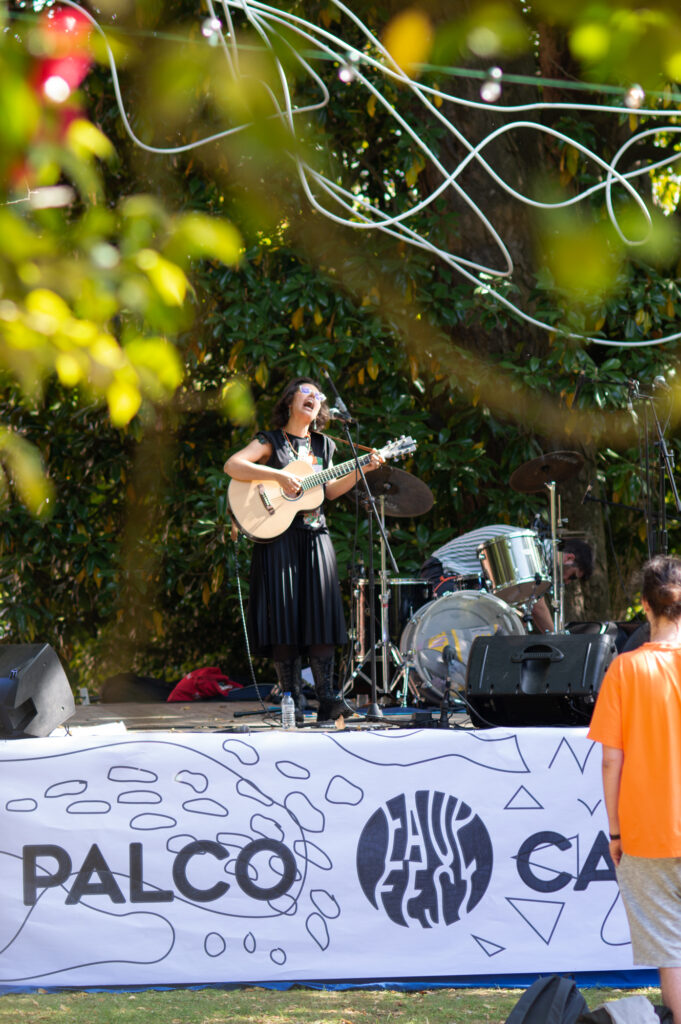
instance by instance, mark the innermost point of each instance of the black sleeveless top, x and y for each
(285, 449)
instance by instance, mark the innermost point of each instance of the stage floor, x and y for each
(217, 716)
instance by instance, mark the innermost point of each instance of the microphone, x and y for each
(587, 495)
(339, 411)
(660, 384)
(632, 391)
(336, 413)
(447, 655)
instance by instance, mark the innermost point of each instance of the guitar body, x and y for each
(262, 511)
(250, 503)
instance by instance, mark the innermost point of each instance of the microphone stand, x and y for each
(373, 711)
(443, 722)
(656, 519)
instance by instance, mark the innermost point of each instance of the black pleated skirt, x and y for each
(295, 595)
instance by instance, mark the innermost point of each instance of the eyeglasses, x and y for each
(307, 390)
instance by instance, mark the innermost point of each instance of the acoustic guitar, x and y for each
(263, 511)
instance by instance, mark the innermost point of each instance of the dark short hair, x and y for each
(282, 409)
(661, 586)
(584, 556)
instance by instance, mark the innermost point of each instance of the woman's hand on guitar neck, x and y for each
(376, 461)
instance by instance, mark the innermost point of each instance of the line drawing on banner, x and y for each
(297, 817)
(331, 199)
(625, 941)
(591, 810)
(516, 766)
(581, 764)
(130, 928)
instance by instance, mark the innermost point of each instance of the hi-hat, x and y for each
(553, 467)
(404, 494)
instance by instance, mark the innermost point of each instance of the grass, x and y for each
(265, 1006)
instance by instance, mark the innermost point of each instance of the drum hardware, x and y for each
(399, 494)
(544, 474)
(389, 652)
(558, 579)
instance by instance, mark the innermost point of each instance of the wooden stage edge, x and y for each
(228, 716)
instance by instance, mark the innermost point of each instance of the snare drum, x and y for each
(446, 584)
(453, 620)
(515, 566)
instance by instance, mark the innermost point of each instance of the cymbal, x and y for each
(532, 476)
(404, 494)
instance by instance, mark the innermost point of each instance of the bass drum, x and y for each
(453, 620)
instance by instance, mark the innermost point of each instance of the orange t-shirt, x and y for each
(638, 710)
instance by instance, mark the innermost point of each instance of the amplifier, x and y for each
(546, 679)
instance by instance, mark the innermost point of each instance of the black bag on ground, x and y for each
(552, 1000)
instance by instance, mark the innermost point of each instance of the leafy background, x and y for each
(212, 282)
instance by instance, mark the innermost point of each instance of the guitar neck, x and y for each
(332, 473)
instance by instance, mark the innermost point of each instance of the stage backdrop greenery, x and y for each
(147, 326)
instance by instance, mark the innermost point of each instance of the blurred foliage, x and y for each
(142, 340)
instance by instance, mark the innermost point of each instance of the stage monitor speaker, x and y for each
(547, 679)
(35, 695)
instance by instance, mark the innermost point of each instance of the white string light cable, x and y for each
(352, 210)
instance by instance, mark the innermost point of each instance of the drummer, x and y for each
(456, 566)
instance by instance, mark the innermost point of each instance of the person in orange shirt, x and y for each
(637, 719)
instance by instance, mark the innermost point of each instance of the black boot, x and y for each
(291, 681)
(331, 705)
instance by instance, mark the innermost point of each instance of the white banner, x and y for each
(196, 858)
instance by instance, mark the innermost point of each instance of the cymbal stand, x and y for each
(558, 581)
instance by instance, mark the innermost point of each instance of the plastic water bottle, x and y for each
(288, 711)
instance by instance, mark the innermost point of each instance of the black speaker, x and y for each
(547, 679)
(35, 695)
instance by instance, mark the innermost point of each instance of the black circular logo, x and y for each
(425, 859)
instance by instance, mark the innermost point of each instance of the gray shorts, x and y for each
(651, 893)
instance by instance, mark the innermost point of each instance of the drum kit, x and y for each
(423, 641)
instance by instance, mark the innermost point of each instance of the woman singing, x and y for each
(295, 602)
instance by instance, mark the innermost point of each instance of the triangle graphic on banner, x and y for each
(523, 800)
(541, 915)
(487, 946)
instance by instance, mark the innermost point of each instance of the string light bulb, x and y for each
(210, 30)
(634, 97)
(347, 72)
(56, 89)
(490, 90)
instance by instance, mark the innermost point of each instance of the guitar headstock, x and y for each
(399, 448)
